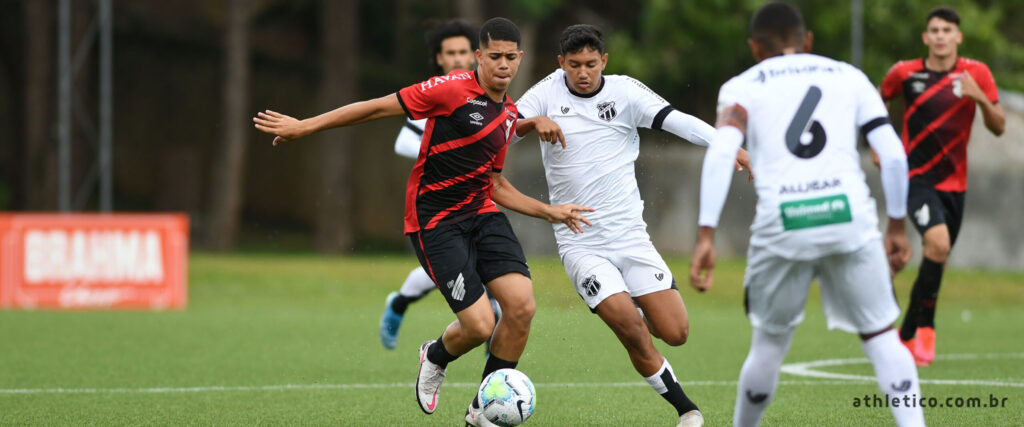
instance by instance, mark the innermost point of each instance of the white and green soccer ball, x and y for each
(507, 397)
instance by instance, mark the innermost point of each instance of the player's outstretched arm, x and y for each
(287, 128)
(547, 129)
(569, 214)
(715, 178)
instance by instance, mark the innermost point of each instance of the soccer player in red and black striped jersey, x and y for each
(940, 94)
(460, 237)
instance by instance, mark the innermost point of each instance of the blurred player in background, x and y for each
(940, 93)
(460, 237)
(451, 47)
(614, 266)
(799, 114)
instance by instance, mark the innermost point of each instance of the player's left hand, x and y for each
(743, 161)
(569, 214)
(969, 87)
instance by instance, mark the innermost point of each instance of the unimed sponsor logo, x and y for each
(85, 261)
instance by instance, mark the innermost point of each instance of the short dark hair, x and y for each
(777, 25)
(944, 13)
(447, 30)
(498, 29)
(577, 37)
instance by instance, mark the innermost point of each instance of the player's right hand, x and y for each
(284, 128)
(897, 247)
(703, 261)
(549, 131)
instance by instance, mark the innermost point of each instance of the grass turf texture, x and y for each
(310, 321)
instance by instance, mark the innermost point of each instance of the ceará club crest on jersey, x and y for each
(606, 111)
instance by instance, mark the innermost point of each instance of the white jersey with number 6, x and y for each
(804, 113)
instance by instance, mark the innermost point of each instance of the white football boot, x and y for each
(691, 419)
(428, 382)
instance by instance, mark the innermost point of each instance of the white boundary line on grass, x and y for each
(804, 369)
(286, 387)
(808, 369)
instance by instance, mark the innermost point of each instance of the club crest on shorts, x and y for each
(591, 286)
(606, 111)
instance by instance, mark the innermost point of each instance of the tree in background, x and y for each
(226, 183)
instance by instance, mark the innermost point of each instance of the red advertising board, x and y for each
(93, 261)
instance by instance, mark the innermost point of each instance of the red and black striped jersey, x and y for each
(937, 119)
(464, 140)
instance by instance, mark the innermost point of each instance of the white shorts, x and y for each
(628, 265)
(856, 290)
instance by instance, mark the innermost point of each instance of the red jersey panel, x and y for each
(937, 119)
(464, 140)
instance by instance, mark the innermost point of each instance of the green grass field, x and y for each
(292, 340)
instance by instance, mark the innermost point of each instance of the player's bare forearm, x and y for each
(286, 128)
(995, 119)
(504, 194)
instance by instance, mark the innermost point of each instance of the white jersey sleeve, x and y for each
(650, 108)
(532, 104)
(873, 122)
(409, 138)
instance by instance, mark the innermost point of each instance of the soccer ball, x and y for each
(507, 397)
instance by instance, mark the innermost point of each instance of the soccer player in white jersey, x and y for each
(613, 265)
(451, 48)
(800, 114)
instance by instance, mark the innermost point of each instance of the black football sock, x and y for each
(494, 363)
(665, 383)
(931, 278)
(913, 317)
(401, 303)
(439, 355)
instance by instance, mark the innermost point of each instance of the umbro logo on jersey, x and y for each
(565, 110)
(458, 288)
(606, 111)
(917, 86)
(477, 117)
(591, 286)
(659, 276)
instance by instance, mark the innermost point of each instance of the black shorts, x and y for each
(929, 207)
(463, 256)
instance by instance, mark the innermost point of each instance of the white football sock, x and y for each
(656, 381)
(760, 376)
(417, 284)
(897, 376)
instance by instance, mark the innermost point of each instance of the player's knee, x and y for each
(521, 313)
(676, 336)
(937, 251)
(479, 330)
